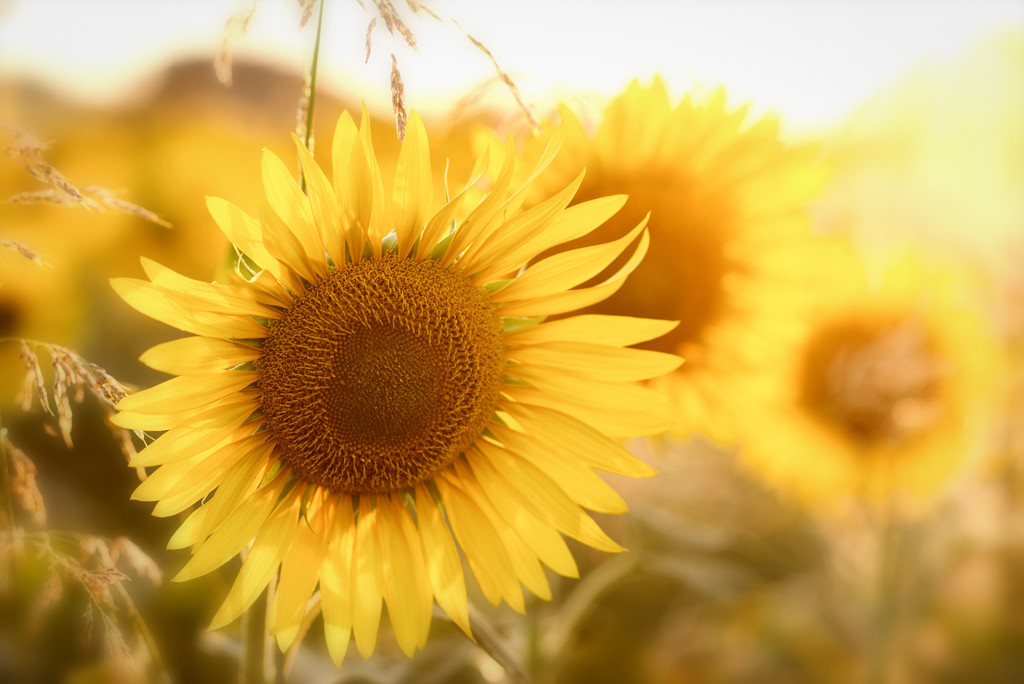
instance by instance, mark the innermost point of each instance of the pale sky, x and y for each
(811, 60)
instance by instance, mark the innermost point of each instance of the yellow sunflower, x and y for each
(385, 392)
(884, 391)
(726, 203)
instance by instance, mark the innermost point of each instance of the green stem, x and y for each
(307, 134)
(312, 74)
(883, 627)
(255, 634)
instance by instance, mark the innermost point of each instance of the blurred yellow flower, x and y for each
(726, 202)
(385, 392)
(882, 395)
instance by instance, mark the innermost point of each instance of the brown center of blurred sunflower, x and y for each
(381, 374)
(681, 277)
(880, 383)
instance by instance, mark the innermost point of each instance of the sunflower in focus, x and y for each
(382, 390)
(884, 392)
(726, 200)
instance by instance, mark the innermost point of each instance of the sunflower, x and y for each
(725, 199)
(883, 393)
(383, 390)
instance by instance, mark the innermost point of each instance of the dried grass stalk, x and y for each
(505, 78)
(416, 8)
(27, 151)
(236, 27)
(369, 38)
(72, 377)
(24, 250)
(24, 489)
(398, 99)
(307, 12)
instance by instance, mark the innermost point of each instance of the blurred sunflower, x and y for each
(882, 395)
(385, 392)
(726, 204)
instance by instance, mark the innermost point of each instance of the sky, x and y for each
(812, 60)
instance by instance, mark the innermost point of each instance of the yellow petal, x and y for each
(157, 303)
(261, 562)
(442, 560)
(525, 566)
(576, 221)
(285, 245)
(336, 579)
(199, 432)
(293, 208)
(480, 217)
(352, 184)
(620, 331)
(324, 204)
(366, 579)
(246, 233)
(239, 485)
(187, 533)
(158, 482)
(300, 570)
(583, 297)
(565, 270)
(188, 293)
(620, 424)
(563, 302)
(198, 355)
(597, 361)
(577, 440)
(486, 555)
(188, 392)
(203, 476)
(507, 235)
(380, 215)
(235, 533)
(576, 388)
(544, 498)
(582, 485)
(543, 539)
(439, 225)
(413, 189)
(405, 584)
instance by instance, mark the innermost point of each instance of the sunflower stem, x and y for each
(883, 619)
(255, 635)
(310, 94)
(487, 639)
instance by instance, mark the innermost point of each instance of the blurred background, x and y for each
(888, 547)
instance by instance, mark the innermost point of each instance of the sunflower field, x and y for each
(393, 342)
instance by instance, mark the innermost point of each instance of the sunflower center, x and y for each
(879, 384)
(681, 276)
(381, 374)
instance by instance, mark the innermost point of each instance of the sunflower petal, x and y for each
(272, 543)
(187, 393)
(597, 361)
(442, 560)
(323, 203)
(366, 579)
(619, 331)
(336, 580)
(413, 188)
(235, 533)
(405, 584)
(545, 499)
(487, 556)
(300, 570)
(198, 355)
